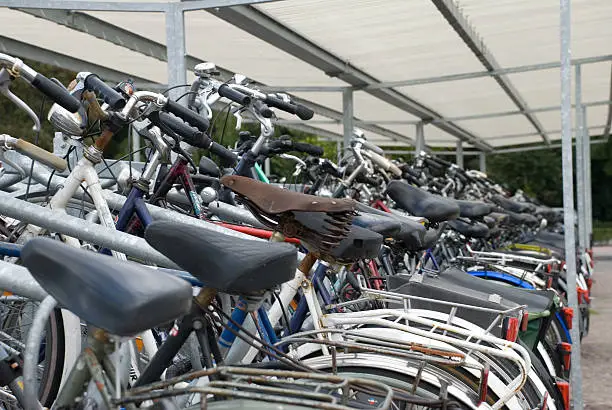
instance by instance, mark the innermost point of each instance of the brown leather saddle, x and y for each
(320, 222)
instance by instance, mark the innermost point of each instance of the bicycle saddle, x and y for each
(208, 167)
(469, 229)
(473, 209)
(383, 225)
(120, 297)
(320, 222)
(521, 218)
(222, 262)
(273, 200)
(421, 203)
(509, 204)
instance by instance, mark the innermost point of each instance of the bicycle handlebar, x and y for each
(34, 152)
(51, 89)
(187, 115)
(285, 144)
(226, 91)
(303, 112)
(56, 92)
(94, 83)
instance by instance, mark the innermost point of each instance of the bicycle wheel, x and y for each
(17, 314)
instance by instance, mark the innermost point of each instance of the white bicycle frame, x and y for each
(83, 172)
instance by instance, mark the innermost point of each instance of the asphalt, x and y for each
(597, 346)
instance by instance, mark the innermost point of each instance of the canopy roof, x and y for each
(317, 48)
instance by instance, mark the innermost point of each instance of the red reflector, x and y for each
(525, 321)
(583, 296)
(589, 282)
(568, 313)
(549, 268)
(566, 354)
(564, 389)
(484, 385)
(549, 282)
(512, 329)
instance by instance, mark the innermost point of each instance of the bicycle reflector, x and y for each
(484, 385)
(583, 296)
(525, 321)
(510, 328)
(565, 349)
(568, 314)
(564, 389)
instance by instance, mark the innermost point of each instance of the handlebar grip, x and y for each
(234, 95)
(442, 162)
(56, 92)
(184, 113)
(281, 104)
(190, 135)
(372, 147)
(110, 96)
(263, 109)
(303, 112)
(39, 154)
(308, 148)
(434, 164)
(226, 155)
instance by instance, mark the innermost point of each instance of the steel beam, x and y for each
(481, 74)
(609, 120)
(476, 44)
(533, 134)
(347, 120)
(568, 199)
(420, 137)
(175, 49)
(482, 162)
(42, 55)
(412, 152)
(587, 184)
(580, 131)
(87, 5)
(264, 27)
(459, 154)
(541, 147)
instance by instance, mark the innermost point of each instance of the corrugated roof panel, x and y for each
(51, 36)
(490, 127)
(391, 39)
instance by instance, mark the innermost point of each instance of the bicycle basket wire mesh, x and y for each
(303, 389)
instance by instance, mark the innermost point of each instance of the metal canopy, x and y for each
(410, 63)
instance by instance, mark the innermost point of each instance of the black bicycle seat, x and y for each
(473, 209)
(359, 244)
(421, 203)
(470, 229)
(222, 262)
(120, 297)
(387, 226)
(509, 204)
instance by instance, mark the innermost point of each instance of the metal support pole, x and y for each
(580, 131)
(459, 154)
(483, 162)
(420, 138)
(347, 118)
(568, 198)
(587, 184)
(339, 150)
(175, 49)
(267, 167)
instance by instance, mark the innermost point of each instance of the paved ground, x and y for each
(597, 346)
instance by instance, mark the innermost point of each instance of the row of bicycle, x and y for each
(366, 283)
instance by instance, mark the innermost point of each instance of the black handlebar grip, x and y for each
(234, 95)
(110, 96)
(263, 109)
(225, 154)
(434, 164)
(281, 104)
(308, 148)
(442, 162)
(190, 135)
(56, 92)
(187, 115)
(303, 112)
